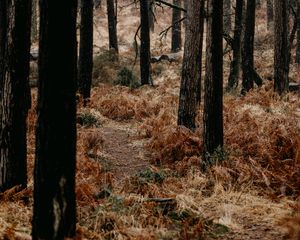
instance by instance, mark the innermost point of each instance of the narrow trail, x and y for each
(124, 150)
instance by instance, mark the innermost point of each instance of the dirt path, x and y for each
(124, 150)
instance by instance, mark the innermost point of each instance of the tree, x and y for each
(249, 73)
(34, 24)
(270, 14)
(236, 46)
(85, 63)
(54, 210)
(151, 14)
(15, 18)
(213, 86)
(281, 46)
(190, 86)
(112, 26)
(176, 27)
(145, 43)
(227, 16)
(298, 33)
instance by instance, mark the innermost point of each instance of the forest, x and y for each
(150, 119)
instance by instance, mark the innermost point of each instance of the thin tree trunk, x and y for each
(248, 47)
(85, 63)
(34, 25)
(281, 47)
(298, 33)
(213, 87)
(15, 18)
(151, 15)
(112, 26)
(176, 27)
(270, 14)
(54, 209)
(236, 46)
(145, 42)
(190, 88)
(227, 16)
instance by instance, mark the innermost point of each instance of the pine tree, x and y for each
(54, 210)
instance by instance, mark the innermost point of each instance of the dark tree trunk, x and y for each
(270, 14)
(176, 27)
(298, 33)
(236, 46)
(54, 210)
(227, 16)
(85, 63)
(281, 46)
(190, 87)
(112, 26)
(15, 18)
(213, 87)
(248, 47)
(145, 42)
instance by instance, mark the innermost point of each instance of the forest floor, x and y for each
(138, 173)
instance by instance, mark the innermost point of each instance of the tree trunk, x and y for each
(112, 26)
(236, 46)
(270, 14)
(85, 63)
(298, 33)
(145, 42)
(281, 46)
(151, 15)
(190, 87)
(185, 6)
(15, 18)
(34, 25)
(227, 16)
(54, 210)
(248, 47)
(176, 27)
(213, 87)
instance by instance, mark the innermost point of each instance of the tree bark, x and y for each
(15, 18)
(298, 33)
(190, 88)
(112, 26)
(270, 14)
(248, 47)
(54, 210)
(151, 15)
(227, 16)
(145, 42)
(85, 63)
(281, 47)
(236, 46)
(34, 24)
(213, 87)
(176, 27)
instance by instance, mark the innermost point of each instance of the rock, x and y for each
(293, 86)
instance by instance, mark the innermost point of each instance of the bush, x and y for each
(88, 119)
(104, 67)
(126, 78)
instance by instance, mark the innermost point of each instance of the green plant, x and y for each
(88, 119)
(219, 155)
(149, 176)
(126, 77)
(104, 67)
